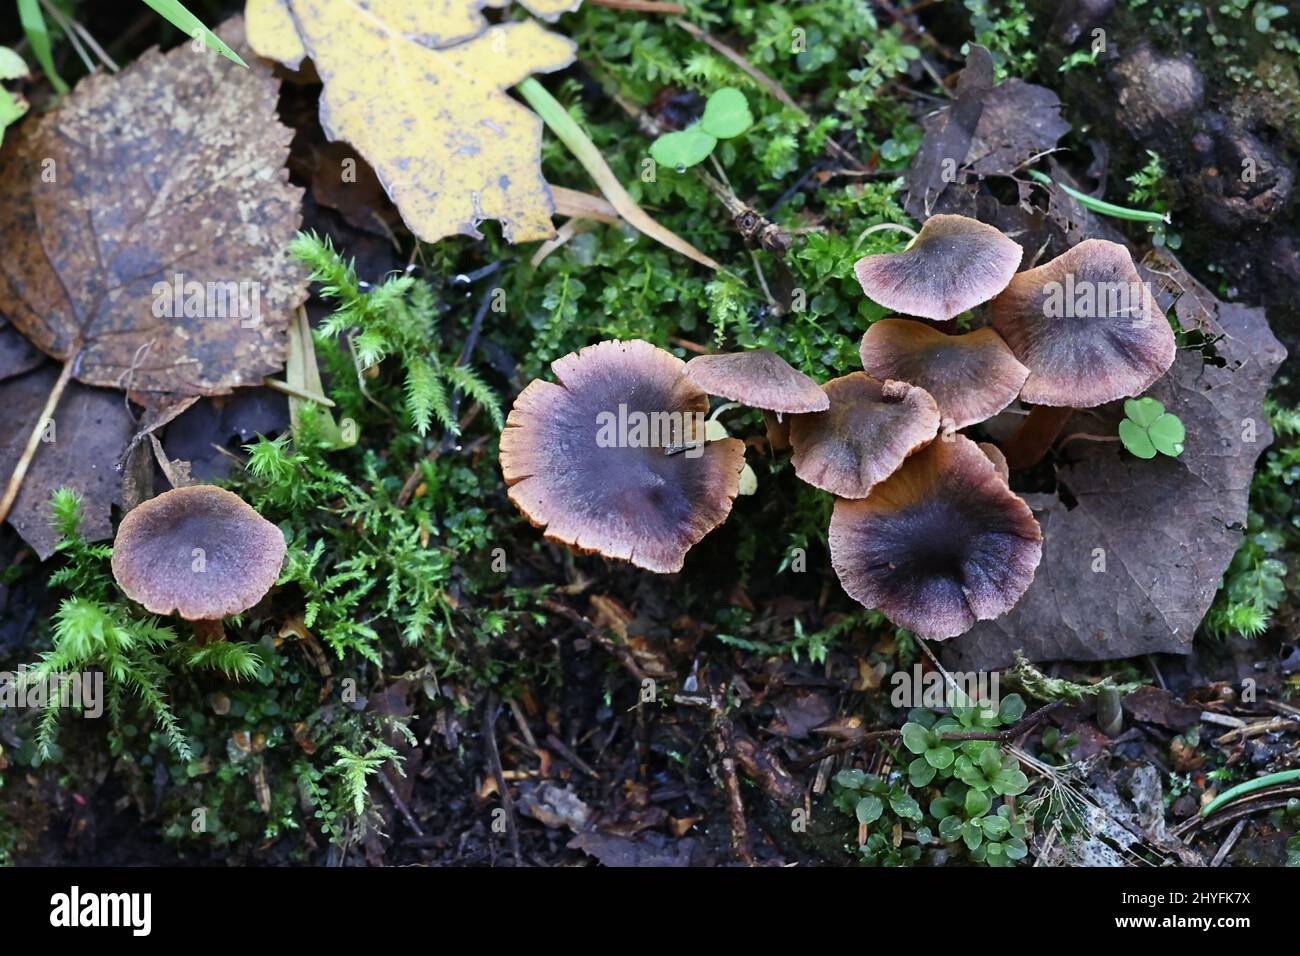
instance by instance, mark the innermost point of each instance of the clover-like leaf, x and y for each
(683, 148)
(1010, 782)
(1148, 430)
(726, 114)
(950, 828)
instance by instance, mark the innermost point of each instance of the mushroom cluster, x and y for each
(615, 459)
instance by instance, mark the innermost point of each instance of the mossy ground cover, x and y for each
(425, 649)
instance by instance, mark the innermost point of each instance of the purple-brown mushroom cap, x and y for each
(870, 427)
(972, 376)
(994, 454)
(623, 498)
(1086, 326)
(940, 544)
(199, 551)
(952, 265)
(758, 378)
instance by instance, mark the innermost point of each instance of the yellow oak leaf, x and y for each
(418, 88)
(271, 32)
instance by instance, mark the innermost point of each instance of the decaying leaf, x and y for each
(79, 449)
(144, 226)
(987, 131)
(418, 87)
(1133, 565)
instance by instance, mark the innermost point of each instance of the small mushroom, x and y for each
(613, 459)
(869, 428)
(199, 552)
(1089, 331)
(940, 544)
(952, 265)
(760, 379)
(972, 376)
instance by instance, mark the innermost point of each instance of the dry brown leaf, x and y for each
(418, 87)
(175, 166)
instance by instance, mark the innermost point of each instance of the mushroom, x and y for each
(952, 265)
(613, 459)
(972, 376)
(199, 552)
(999, 460)
(1090, 332)
(760, 379)
(869, 428)
(940, 544)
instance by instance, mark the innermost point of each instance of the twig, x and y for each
(563, 749)
(34, 439)
(494, 762)
(1229, 843)
(400, 804)
(722, 733)
(841, 747)
(753, 72)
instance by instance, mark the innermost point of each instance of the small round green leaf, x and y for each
(1143, 411)
(726, 114)
(977, 803)
(1011, 709)
(869, 809)
(939, 757)
(1135, 439)
(915, 738)
(1167, 434)
(682, 149)
(920, 772)
(950, 828)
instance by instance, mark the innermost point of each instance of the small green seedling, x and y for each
(1149, 430)
(726, 116)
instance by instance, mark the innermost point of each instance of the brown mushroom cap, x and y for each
(199, 551)
(628, 500)
(870, 427)
(1118, 345)
(939, 545)
(758, 378)
(952, 265)
(972, 376)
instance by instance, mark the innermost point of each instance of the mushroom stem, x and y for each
(1035, 436)
(209, 632)
(778, 431)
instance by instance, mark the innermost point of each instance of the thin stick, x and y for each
(494, 762)
(62, 21)
(753, 72)
(34, 439)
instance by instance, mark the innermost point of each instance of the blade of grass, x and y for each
(1101, 206)
(38, 35)
(1250, 786)
(175, 13)
(558, 120)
